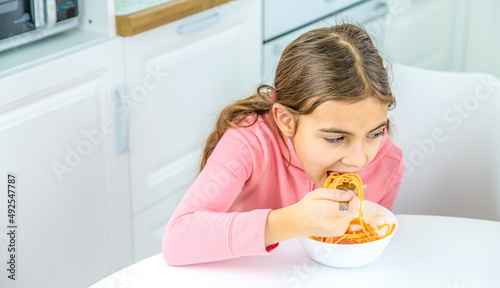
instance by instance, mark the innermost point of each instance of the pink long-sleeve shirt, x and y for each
(223, 214)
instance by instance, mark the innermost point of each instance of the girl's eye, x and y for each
(376, 135)
(334, 140)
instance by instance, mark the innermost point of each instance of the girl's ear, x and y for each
(284, 119)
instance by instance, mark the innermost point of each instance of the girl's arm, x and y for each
(200, 230)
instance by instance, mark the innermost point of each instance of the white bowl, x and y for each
(353, 255)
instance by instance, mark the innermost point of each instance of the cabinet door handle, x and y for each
(122, 118)
(201, 24)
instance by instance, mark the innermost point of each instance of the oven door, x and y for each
(66, 9)
(16, 18)
(58, 12)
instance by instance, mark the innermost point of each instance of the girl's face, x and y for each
(339, 137)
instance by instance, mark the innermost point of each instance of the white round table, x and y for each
(426, 251)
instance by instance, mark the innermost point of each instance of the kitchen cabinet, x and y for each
(178, 78)
(483, 42)
(427, 34)
(58, 135)
(370, 14)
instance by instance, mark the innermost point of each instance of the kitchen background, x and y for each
(103, 132)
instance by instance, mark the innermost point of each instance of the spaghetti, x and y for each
(367, 233)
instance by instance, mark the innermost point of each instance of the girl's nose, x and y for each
(355, 156)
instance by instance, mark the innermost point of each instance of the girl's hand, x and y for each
(318, 212)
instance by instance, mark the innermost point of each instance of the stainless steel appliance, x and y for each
(24, 21)
(285, 20)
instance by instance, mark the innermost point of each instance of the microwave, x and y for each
(25, 21)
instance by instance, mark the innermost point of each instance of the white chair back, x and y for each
(448, 125)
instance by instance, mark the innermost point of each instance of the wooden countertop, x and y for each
(135, 23)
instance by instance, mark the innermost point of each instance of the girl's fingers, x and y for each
(333, 195)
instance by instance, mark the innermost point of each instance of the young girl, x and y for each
(264, 165)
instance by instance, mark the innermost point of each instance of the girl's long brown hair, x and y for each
(337, 63)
